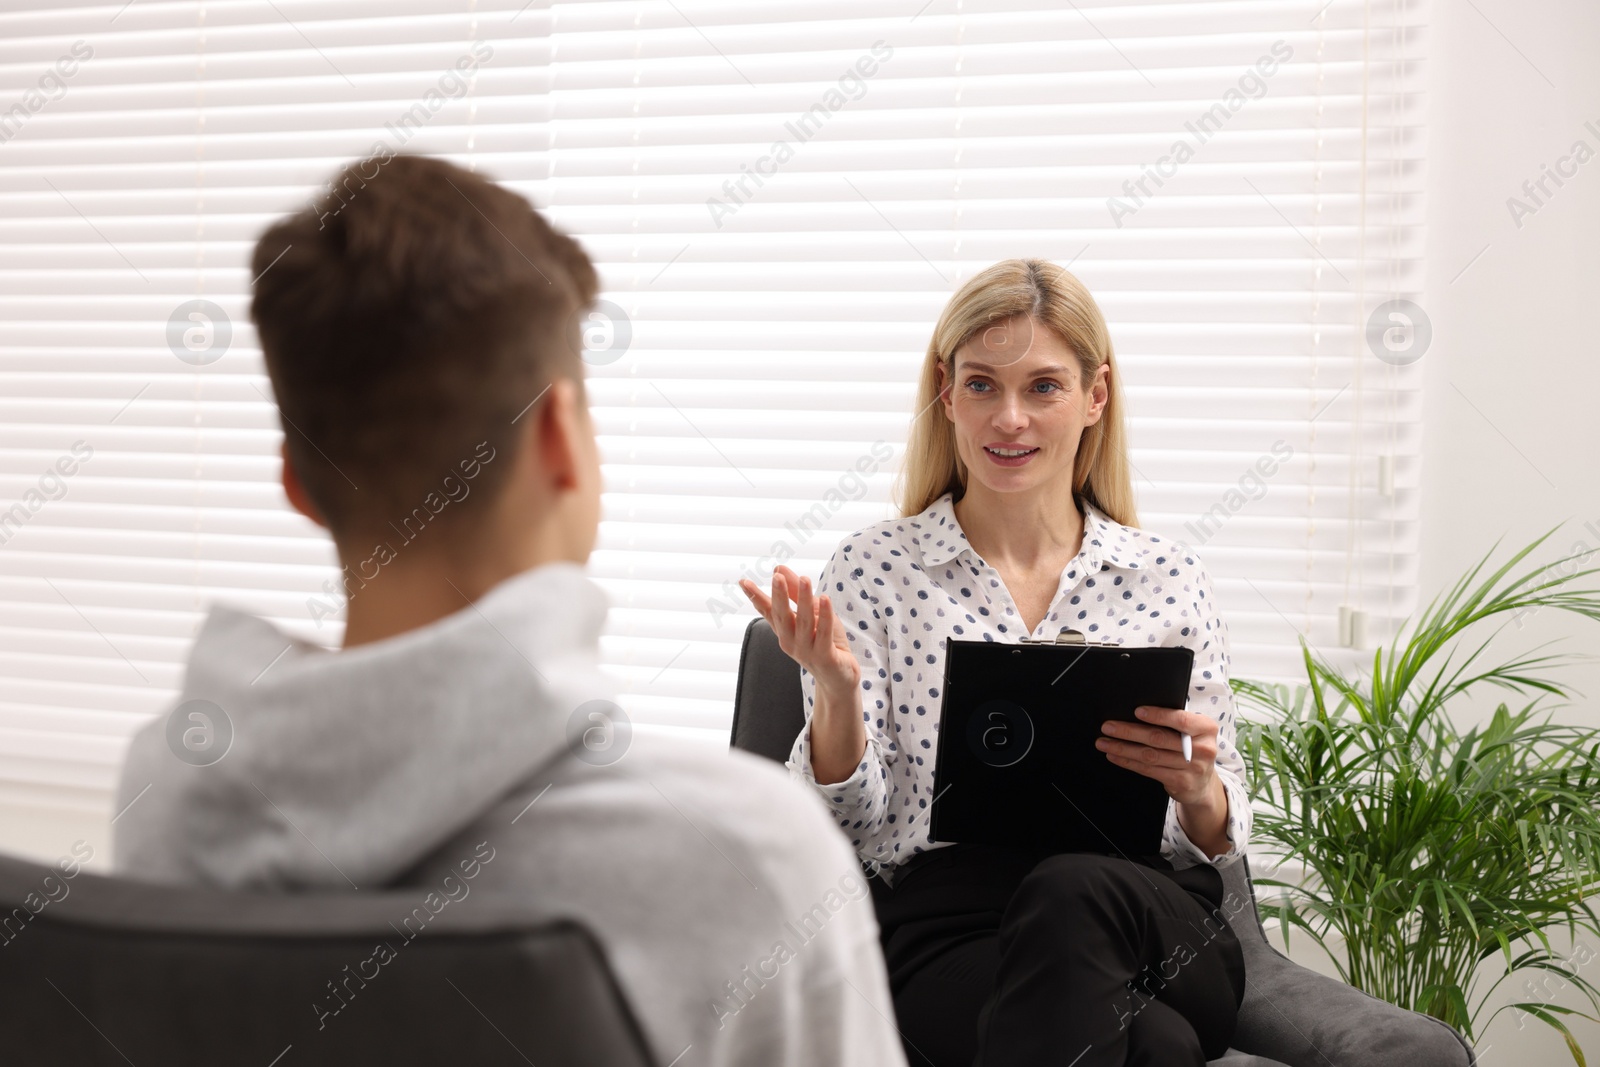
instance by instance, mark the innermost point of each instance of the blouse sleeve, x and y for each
(1209, 692)
(860, 803)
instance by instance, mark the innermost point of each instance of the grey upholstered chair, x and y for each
(1291, 1016)
(104, 971)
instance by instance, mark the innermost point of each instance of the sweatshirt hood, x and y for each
(345, 768)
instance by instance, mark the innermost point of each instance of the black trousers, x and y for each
(1004, 957)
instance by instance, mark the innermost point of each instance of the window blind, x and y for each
(780, 198)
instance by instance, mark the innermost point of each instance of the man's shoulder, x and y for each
(673, 789)
(714, 766)
(734, 790)
(691, 862)
(694, 837)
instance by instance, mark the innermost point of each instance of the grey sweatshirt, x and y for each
(733, 912)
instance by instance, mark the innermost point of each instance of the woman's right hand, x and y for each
(809, 632)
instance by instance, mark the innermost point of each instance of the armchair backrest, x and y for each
(97, 970)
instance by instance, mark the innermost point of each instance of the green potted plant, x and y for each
(1428, 849)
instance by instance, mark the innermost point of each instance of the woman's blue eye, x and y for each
(979, 385)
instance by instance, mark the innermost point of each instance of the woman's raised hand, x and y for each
(809, 632)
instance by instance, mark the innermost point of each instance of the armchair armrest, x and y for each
(1305, 1019)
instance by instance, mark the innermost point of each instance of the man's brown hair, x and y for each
(409, 314)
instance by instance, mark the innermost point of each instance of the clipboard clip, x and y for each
(1065, 637)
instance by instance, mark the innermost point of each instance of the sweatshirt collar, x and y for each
(350, 766)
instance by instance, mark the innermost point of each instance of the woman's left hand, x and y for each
(1154, 748)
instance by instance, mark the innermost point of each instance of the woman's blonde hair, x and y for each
(1051, 296)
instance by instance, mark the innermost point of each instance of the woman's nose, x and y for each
(1010, 416)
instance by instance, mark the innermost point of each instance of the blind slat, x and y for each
(778, 325)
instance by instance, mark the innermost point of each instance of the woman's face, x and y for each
(1016, 390)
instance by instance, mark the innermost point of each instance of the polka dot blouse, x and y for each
(903, 587)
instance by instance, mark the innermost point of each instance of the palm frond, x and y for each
(1429, 849)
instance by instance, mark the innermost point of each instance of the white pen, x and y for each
(1188, 749)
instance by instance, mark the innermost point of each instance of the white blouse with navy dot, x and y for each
(903, 587)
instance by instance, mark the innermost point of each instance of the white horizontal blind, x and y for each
(139, 187)
(783, 276)
(780, 197)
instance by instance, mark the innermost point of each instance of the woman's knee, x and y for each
(1159, 1036)
(1075, 874)
(1068, 887)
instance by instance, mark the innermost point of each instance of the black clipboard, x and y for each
(1017, 764)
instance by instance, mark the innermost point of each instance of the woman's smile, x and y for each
(1005, 455)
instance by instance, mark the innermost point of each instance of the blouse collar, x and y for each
(1105, 541)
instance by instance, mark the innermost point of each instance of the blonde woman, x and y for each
(1017, 519)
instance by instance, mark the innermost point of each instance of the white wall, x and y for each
(1512, 85)
(1512, 432)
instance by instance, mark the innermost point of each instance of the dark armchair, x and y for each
(106, 971)
(1291, 1016)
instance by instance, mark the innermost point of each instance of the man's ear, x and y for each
(299, 499)
(559, 422)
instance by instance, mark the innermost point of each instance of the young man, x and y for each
(421, 329)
